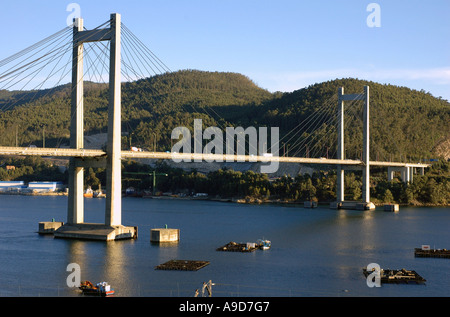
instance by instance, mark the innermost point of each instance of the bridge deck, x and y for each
(63, 152)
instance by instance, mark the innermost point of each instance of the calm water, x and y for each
(319, 252)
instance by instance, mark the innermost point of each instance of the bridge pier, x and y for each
(75, 227)
(113, 212)
(75, 208)
(340, 185)
(340, 203)
(366, 152)
(406, 173)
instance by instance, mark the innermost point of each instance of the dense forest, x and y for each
(432, 188)
(405, 125)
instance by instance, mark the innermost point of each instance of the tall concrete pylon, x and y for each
(340, 203)
(366, 149)
(75, 227)
(75, 210)
(113, 212)
(341, 148)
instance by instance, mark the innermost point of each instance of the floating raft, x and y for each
(398, 276)
(182, 265)
(101, 289)
(432, 253)
(238, 247)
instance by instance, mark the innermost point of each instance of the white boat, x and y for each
(101, 289)
(88, 192)
(264, 244)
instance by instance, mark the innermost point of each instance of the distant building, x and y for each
(45, 186)
(35, 187)
(12, 186)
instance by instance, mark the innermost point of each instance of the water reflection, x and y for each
(356, 230)
(100, 261)
(353, 240)
(318, 252)
(165, 251)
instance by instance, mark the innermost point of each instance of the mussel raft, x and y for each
(398, 276)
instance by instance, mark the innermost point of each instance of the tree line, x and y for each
(432, 188)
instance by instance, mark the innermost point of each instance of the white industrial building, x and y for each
(35, 187)
(45, 186)
(6, 186)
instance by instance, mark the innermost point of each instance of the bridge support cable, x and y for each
(29, 54)
(308, 121)
(310, 143)
(138, 55)
(34, 46)
(145, 51)
(57, 45)
(20, 75)
(142, 62)
(38, 68)
(330, 136)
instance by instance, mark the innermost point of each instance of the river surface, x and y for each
(315, 252)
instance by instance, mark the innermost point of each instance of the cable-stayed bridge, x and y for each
(126, 57)
(99, 154)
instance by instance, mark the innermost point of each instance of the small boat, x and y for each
(101, 289)
(89, 193)
(239, 247)
(99, 193)
(264, 244)
(427, 252)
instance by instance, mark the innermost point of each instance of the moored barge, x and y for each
(238, 247)
(431, 253)
(402, 276)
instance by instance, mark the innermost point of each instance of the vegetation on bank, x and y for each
(433, 188)
(406, 125)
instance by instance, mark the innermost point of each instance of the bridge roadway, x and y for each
(89, 153)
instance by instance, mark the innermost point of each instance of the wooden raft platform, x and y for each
(238, 247)
(182, 265)
(402, 276)
(432, 253)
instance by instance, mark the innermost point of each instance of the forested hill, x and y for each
(413, 123)
(410, 123)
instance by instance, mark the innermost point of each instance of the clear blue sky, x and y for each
(281, 45)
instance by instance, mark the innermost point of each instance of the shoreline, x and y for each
(238, 200)
(34, 194)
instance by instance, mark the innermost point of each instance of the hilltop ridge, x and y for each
(405, 121)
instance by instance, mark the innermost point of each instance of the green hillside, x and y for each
(404, 122)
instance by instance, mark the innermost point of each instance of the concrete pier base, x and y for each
(353, 205)
(93, 231)
(391, 207)
(164, 235)
(49, 227)
(365, 206)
